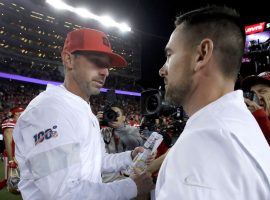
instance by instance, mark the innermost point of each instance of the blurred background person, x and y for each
(118, 137)
(260, 109)
(7, 129)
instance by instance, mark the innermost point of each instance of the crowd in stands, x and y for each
(53, 73)
(15, 93)
(30, 69)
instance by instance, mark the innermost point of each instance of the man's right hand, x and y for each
(252, 106)
(100, 115)
(143, 181)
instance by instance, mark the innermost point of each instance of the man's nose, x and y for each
(104, 72)
(163, 71)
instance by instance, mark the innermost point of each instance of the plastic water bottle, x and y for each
(150, 146)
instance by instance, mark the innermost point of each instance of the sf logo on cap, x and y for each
(106, 42)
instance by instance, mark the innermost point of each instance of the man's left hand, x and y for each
(138, 150)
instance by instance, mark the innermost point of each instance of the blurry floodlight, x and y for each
(83, 12)
(107, 21)
(124, 27)
(58, 4)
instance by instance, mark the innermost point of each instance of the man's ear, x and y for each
(67, 60)
(204, 53)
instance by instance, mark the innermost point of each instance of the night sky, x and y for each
(154, 19)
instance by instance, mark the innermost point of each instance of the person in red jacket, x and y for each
(7, 129)
(260, 84)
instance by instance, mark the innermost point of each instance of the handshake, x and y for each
(142, 157)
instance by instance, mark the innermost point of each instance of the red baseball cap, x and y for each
(262, 78)
(16, 110)
(91, 40)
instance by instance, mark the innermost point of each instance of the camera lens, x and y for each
(152, 103)
(111, 115)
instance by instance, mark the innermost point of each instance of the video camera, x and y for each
(152, 107)
(109, 115)
(252, 96)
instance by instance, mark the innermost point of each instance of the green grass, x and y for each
(4, 194)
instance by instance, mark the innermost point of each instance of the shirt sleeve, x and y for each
(9, 123)
(115, 162)
(48, 151)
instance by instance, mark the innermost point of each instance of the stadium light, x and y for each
(83, 12)
(124, 27)
(58, 4)
(107, 21)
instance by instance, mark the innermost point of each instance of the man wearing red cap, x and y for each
(261, 86)
(58, 143)
(7, 129)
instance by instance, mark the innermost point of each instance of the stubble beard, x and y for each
(177, 94)
(92, 90)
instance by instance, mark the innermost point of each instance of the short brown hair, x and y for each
(224, 27)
